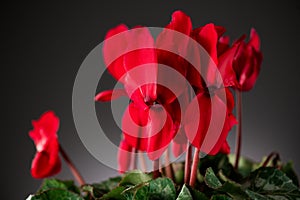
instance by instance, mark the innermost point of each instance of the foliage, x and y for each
(217, 180)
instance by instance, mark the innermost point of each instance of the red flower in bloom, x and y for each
(247, 62)
(209, 92)
(150, 122)
(46, 161)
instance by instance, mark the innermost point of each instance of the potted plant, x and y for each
(185, 109)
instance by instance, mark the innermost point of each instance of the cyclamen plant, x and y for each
(153, 120)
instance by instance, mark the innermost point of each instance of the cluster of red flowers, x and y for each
(239, 65)
(153, 118)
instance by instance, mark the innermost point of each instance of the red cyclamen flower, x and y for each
(247, 62)
(221, 57)
(44, 134)
(149, 122)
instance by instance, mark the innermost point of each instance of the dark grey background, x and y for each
(44, 44)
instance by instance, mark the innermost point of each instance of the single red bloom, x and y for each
(247, 62)
(220, 62)
(149, 122)
(44, 134)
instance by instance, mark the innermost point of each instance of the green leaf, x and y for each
(217, 163)
(134, 178)
(184, 194)
(211, 179)
(197, 194)
(97, 190)
(233, 190)
(288, 169)
(115, 194)
(256, 196)
(58, 184)
(58, 194)
(220, 197)
(246, 165)
(271, 183)
(160, 188)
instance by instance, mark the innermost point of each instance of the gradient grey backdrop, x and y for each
(44, 44)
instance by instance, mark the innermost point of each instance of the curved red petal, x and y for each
(197, 119)
(110, 95)
(113, 50)
(254, 40)
(160, 130)
(223, 45)
(46, 163)
(225, 149)
(133, 122)
(44, 129)
(144, 57)
(179, 143)
(225, 67)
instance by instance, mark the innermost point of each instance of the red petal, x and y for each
(45, 129)
(197, 118)
(110, 95)
(124, 156)
(225, 149)
(134, 120)
(254, 40)
(226, 67)
(207, 36)
(160, 131)
(171, 49)
(229, 123)
(179, 143)
(46, 163)
(223, 45)
(113, 50)
(144, 57)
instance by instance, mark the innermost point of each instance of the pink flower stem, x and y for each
(188, 155)
(72, 167)
(273, 155)
(195, 167)
(134, 159)
(142, 161)
(238, 142)
(156, 172)
(187, 166)
(168, 168)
